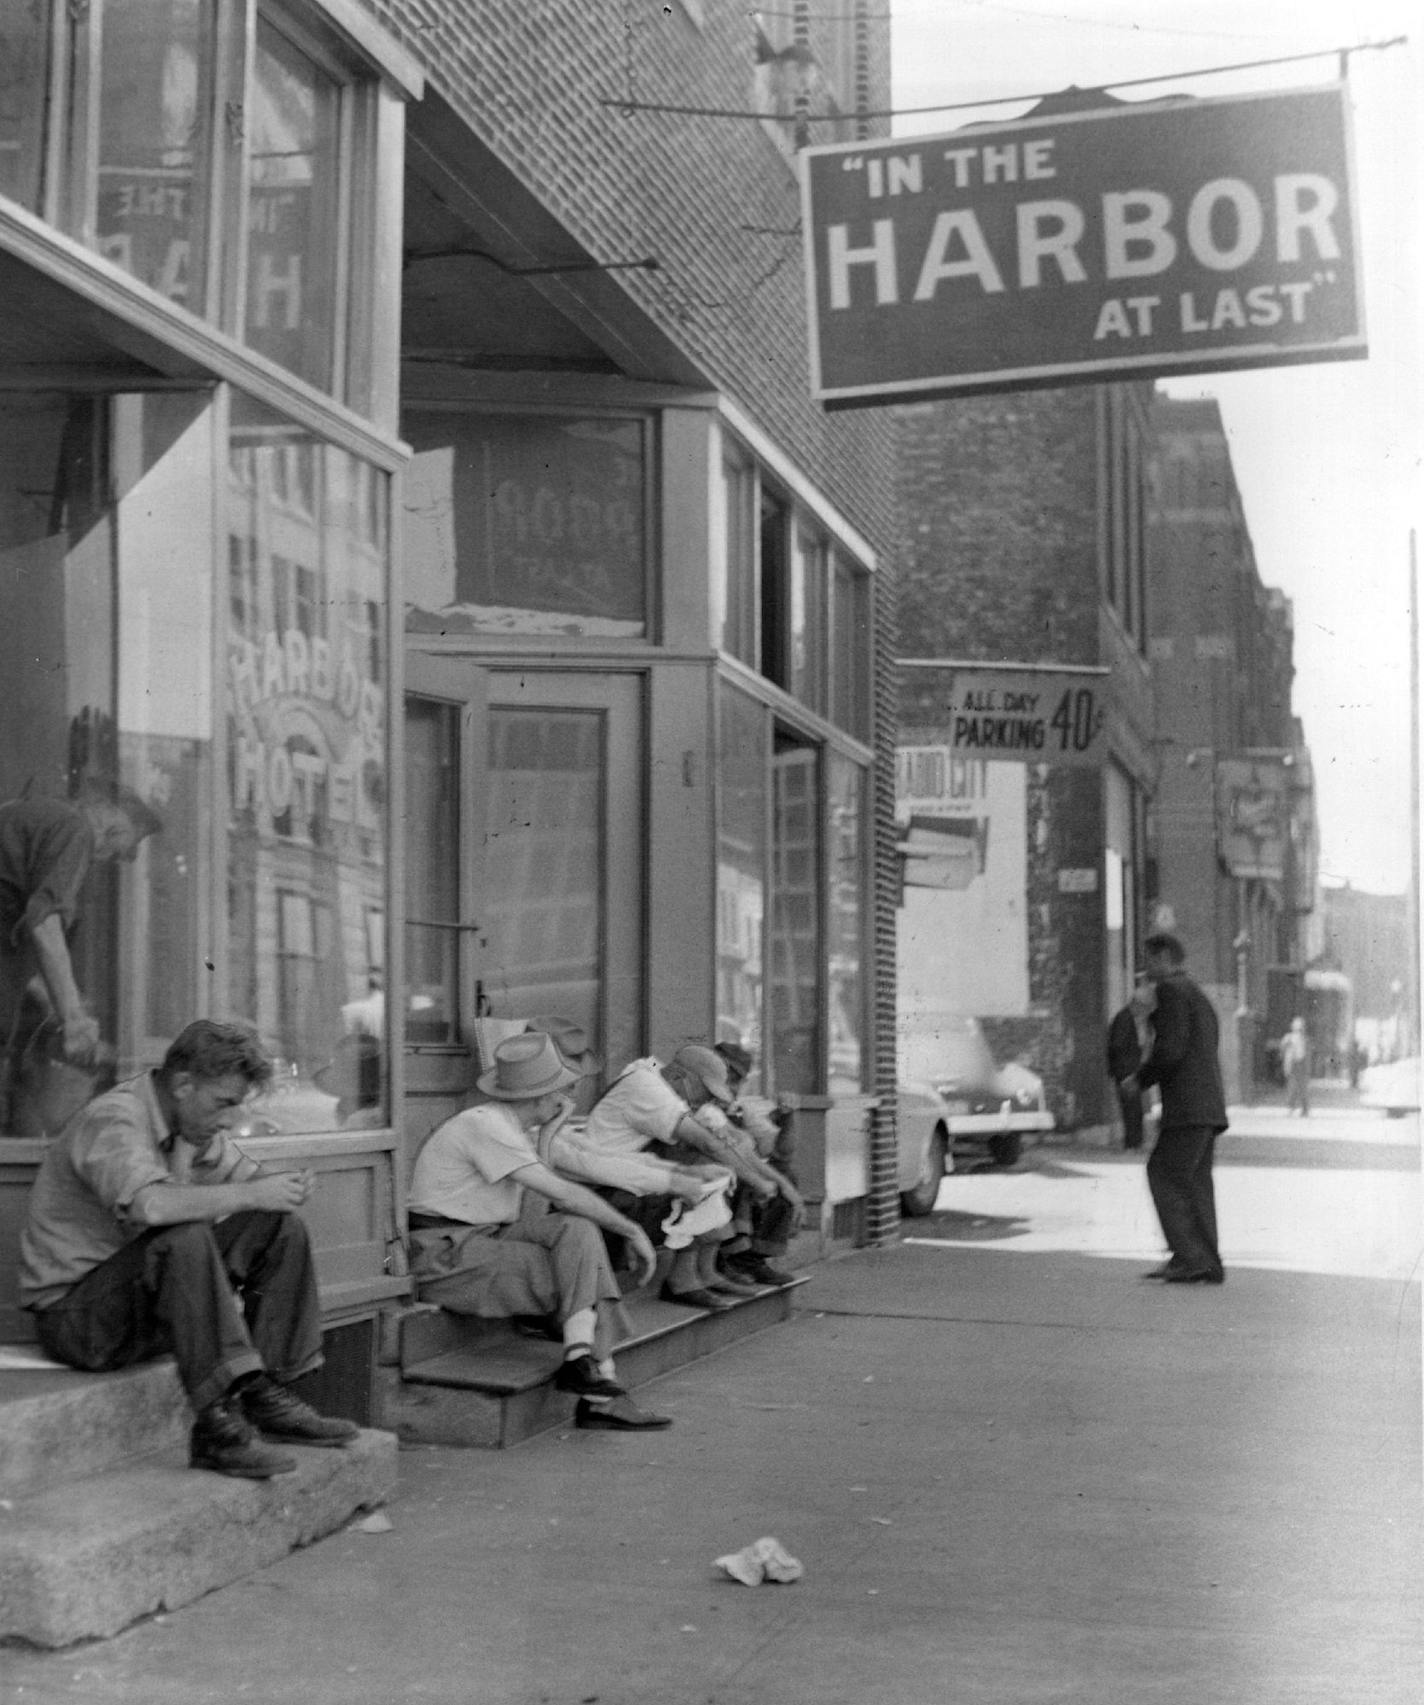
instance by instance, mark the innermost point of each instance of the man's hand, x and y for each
(79, 1038)
(647, 1257)
(692, 1182)
(281, 1192)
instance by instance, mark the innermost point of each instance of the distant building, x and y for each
(1234, 869)
(1023, 541)
(1367, 937)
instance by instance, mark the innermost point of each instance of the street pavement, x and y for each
(1015, 1473)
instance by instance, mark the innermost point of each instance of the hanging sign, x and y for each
(1253, 816)
(1126, 241)
(1025, 715)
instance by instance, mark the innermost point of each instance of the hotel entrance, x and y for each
(524, 835)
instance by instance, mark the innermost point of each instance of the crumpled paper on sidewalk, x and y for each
(766, 1560)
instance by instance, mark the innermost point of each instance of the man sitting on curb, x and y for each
(762, 1223)
(480, 1246)
(650, 1103)
(144, 1216)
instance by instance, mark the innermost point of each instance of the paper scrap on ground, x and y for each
(766, 1560)
(14, 1356)
(377, 1522)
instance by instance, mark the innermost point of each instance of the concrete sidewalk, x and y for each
(1011, 1478)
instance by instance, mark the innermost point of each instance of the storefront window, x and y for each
(24, 74)
(432, 868)
(524, 524)
(293, 209)
(850, 646)
(307, 683)
(106, 518)
(796, 916)
(741, 870)
(845, 958)
(152, 139)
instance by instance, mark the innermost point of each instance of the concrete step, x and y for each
(84, 1559)
(58, 1425)
(478, 1383)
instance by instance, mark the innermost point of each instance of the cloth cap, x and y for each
(571, 1040)
(736, 1056)
(526, 1067)
(708, 1068)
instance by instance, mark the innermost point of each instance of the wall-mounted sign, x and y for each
(1024, 715)
(1083, 881)
(1252, 816)
(1125, 241)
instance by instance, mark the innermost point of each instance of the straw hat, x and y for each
(708, 1068)
(526, 1067)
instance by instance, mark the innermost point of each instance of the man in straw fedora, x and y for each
(480, 1246)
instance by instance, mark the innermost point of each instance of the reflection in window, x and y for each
(806, 628)
(795, 917)
(845, 945)
(294, 211)
(306, 751)
(739, 617)
(850, 647)
(524, 524)
(104, 648)
(151, 132)
(543, 920)
(741, 869)
(24, 75)
(432, 874)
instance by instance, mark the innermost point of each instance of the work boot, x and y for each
(223, 1441)
(281, 1414)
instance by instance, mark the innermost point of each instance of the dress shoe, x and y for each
(732, 1285)
(1197, 1276)
(281, 1414)
(1165, 1271)
(622, 1415)
(760, 1271)
(223, 1441)
(579, 1376)
(697, 1299)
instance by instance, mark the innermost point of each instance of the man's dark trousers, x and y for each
(172, 1289)
(1129, 1099)
(1179, 1177)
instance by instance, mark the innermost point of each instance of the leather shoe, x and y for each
(1201, 1276)
(759, 1271)
(697, 1299)
(732, 1285)
(281, 1414)
(579, 1376)
(622, 1415)
(1163, 1272)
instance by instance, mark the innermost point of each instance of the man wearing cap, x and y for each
(481, 1246)
(653, 1104)
(763, 1220)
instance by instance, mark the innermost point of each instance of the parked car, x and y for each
(1393, 1087)
(955, 1099)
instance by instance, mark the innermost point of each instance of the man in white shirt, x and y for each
(651, 1104)
(480, 1246)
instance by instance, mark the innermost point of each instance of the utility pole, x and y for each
(1411, 1006)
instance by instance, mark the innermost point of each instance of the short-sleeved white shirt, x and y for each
(463, 1171)
(639, 1108)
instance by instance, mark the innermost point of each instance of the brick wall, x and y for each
(999, 560)
(716, 202)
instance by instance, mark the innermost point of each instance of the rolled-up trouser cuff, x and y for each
(220, 1381)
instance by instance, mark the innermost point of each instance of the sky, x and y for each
(1327, 457)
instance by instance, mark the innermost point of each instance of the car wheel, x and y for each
(921, 1200)
(1006, 1148)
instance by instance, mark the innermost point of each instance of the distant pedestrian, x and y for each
(1295, 1063)
(1129, 1038)
(1183, 1064)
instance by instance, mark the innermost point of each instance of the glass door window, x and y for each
(796, 928)
(558, 857)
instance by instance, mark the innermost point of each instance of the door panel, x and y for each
(559, 856)
(524, 837)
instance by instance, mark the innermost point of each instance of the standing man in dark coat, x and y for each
(1128, 1042)
(1183, 1064)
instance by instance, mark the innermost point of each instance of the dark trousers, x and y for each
(175, 1288)
(1129, 1100)
(1179, 1177)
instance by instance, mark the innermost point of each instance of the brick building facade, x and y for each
(1234, 756)
(1022, 526)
